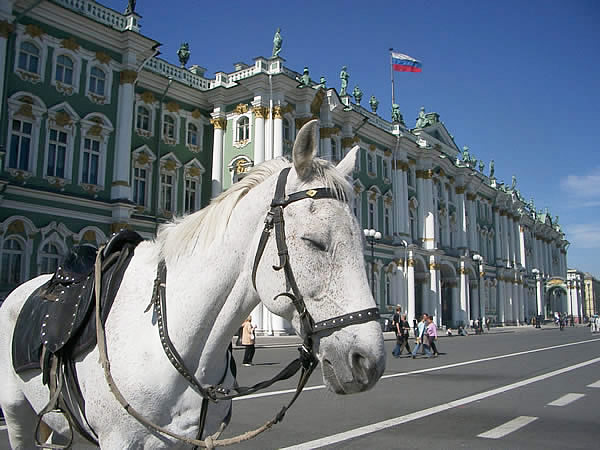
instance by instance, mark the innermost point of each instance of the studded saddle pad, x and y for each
(60, 314)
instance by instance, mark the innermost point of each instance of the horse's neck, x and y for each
(210, 293)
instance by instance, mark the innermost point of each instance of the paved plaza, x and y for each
(510, 388)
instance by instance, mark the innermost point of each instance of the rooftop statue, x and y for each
(184, 54)
(374, 103)
(481, 166)
(396, 114)
(277, 41)
(344, 77)
(514, 183)
(322, 83)
(465, 154)
(357, 93)
(492, 168)
(130, 7)
(304, 80)
(422, 121)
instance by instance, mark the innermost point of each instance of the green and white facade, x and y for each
(100, 134)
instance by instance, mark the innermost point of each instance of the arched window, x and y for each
(168, 127)
(387, 222)
(243, 129)
(64, 70)
(97, 81)
(371, 215)
(91, 161)
(167, 186)
(49, 258)
(386, 169)
(29, 57)
(192, 135)
(11, 266)
(140, 182)
(143, 118)
(287, 132)
(413, 224)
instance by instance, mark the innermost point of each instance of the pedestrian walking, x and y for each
(431, 332)
(420, 337)
(398, 332)
(404, 329)
(487, 324)
(248, 338)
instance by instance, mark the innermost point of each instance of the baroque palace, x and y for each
(99, 134)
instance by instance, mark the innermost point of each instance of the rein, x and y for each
(307, 361)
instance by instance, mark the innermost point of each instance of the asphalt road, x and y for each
(525, 388)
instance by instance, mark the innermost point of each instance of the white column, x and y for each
(522, 246)
(522, 301)
(402, 182)
(464, 294)
(497, 238)
(277, 132)
(539, 295)
(410, 310)
(421, 211)
(501, 300)
(456, 317)
(121, 187)
(445, 225)
(429, 213)
(461, 217)
(425, 300)
(260, 113)
(506, 240)
(515, 304)
(475, 301)
(508, 294)
(326, 146)
(4, 32)
(436, 292)
(220, 124)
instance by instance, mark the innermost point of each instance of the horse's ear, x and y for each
(346, 166)
(305, 148)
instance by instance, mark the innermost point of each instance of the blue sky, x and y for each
(518, 82)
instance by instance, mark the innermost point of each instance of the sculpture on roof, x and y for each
(322, 83)
(396, 114)
(514, 183)
(422, 121)
(531, 205)
(277, 42)
(304, 80)
(130, 7)
(344, 77)
(357, 93)
(183, 54)
(465, 154)
(492, 168)
(481, 166)
(374, 103)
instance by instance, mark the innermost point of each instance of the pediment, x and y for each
(439, 132)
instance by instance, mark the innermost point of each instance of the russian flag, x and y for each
(405, 63)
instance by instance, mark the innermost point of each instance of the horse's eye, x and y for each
(315, 244)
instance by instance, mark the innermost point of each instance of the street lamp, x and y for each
(570, 287)
(477, 257)
(372, 236)
(405, 245)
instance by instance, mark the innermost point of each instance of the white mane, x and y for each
(182, 235)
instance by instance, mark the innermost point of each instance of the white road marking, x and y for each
(416, 372)
(594, 385)
(368, 429)
(566, 399)
(507, 428)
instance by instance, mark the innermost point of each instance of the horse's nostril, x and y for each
(361, 366)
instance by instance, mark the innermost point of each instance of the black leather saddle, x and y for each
(59, 316)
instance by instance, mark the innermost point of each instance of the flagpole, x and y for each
(392, 76)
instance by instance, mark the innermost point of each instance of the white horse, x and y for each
(209, 291)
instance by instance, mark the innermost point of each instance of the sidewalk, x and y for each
(294, 341)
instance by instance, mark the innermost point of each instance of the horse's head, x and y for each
(325, 245)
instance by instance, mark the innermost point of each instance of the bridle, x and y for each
(274, 221)
(307, 361)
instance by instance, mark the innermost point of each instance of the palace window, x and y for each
(388, 290)
(409, 177)
(143, 118)
(166, 192)
(97, 81)
(387, 222)
(287, 132)
(49, 258)
(192, 135)
(11, 266)
(386, 169)
(370, 165)
(413, 224)
(57, 152)
(29, 58)
(242, 129)
(168, 127)
(334, 151)
(191, 191)
(64, 70)
(140, 183)
(91, 160)
(371, 215)
(20, 144)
